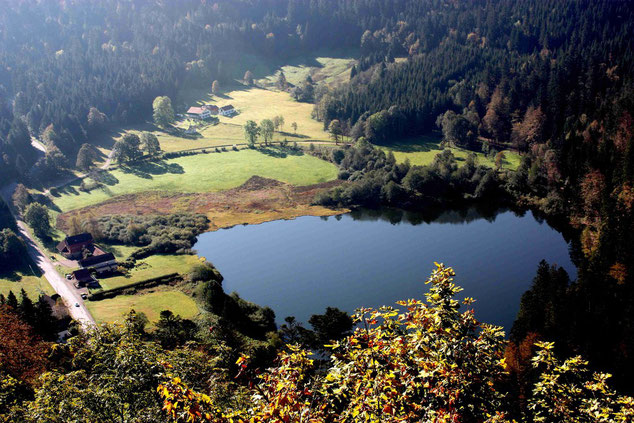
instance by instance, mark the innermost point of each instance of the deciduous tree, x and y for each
(251, 131)
(85, 157)
(21, 197)
(150, 143)
(335, 130)
(267, 130)
(36, 215)
(163, 111)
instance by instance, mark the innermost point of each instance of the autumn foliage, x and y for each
(427, 362)
(22, 352)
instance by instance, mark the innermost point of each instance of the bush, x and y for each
(204, 272)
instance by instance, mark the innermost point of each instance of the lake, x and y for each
(373, 258)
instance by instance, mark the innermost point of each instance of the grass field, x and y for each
(152, 303)
(152, 267)
(421, 151)
(201, 173)
(258, 104)
(33, 285)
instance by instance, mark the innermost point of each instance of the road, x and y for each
(63, 287)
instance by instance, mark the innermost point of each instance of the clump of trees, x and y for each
(127, 149)
(375, 178)
(173, 233)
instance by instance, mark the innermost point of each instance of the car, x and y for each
(69, 276)
(76, 304)
(84, 296)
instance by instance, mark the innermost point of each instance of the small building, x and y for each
(101, 263)
(72, 246)
(227, 110)
(213, 109)
(198, 113)
(83, 278)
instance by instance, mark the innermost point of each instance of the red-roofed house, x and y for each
(72, 246)
(198, 113)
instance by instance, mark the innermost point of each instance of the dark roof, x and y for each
(82, 275)
(77, 239)
(228, 107)
(91, 261)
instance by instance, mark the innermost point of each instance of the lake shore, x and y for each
(256, 201)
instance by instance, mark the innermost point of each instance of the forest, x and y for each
(552, 80)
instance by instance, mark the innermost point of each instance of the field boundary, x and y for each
(174, 154)
(135, 286)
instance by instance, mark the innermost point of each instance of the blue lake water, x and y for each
(368, 259)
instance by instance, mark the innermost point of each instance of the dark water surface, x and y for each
(369, 259)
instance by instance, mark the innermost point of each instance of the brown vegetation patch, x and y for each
(257, 200)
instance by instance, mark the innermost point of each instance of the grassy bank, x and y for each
(150, 303)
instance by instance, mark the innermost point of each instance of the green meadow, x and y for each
(200, 173)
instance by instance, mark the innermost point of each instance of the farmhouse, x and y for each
(72, 246)
(227, 110)
(198, 113)
(213, 109)
(84, 277)
(101, 263)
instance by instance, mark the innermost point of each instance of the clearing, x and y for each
(200, 173)
(328, 70)
(252, 103)
(422, 150)
(150, 303)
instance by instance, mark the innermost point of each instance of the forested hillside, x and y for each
(550, 80)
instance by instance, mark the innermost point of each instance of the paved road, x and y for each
(63, 287)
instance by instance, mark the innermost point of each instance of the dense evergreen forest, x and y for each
(551, 79)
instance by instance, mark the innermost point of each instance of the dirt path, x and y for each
(63, 287)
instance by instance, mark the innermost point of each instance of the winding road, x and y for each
(62, 286)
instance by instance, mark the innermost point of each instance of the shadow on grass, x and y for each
(23, 268)
(46, 201)
(42, 182)
(280, 152)
(421, 144)
(104, 177)
(292, 134)
(147, 170)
